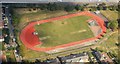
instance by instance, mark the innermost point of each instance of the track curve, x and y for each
(30, 40)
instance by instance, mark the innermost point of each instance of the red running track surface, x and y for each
(30, 40)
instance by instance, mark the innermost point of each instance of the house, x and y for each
(52, 61)
(106, 58)
(1, 25)
(1, 37)
(83, 57)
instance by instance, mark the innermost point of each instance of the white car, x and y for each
(14, 39)
(15, 51)
(6, 7)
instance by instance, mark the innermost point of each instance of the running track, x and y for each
(30, 40)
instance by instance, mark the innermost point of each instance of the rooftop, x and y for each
(75, 57)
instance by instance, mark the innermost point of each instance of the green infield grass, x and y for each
(63, 31)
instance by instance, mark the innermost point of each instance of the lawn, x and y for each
(35, 16)
(110, 44)
(111, 15)
(10, 56)
(64, 31)
(23, 19)
(28, 54)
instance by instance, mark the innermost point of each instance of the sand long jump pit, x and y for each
(60, 32)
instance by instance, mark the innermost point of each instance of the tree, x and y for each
(113, 25)
(102, 6)
(82, 8)
(99, 7)
(77, 7)
(50, 7)
(54, 6)
(112, 7)
(43, 6)
(69, 8)
(93, 8)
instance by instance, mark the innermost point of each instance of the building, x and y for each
(1, 25)
(52, 61)
(1, 36)
(83, 57)
(106, 58)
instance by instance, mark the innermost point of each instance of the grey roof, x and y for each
(53, 61)
(97, 54)
(72, 56)
(39, 1)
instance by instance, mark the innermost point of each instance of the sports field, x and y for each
(60, 32)
(63, 31)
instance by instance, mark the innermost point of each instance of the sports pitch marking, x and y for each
(80, 31)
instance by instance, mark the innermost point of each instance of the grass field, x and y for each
(111, 15)
(35, 16)
(110, 44)
(24, 18)
(27, 53)
(64, 31)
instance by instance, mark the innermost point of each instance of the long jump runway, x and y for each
(30, 40)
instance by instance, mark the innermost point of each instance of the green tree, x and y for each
(77, 7)
(69, 8)
(54, 6)
(82, 8)
(112, 7)
(50, 7)
(99, 7)
(43, 6)
(102, 6)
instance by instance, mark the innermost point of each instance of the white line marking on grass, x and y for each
(43, 38)
(78, 31)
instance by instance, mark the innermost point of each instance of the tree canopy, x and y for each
(69, 8)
